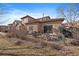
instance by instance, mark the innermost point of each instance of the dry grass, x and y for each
(8, 49)
(4, 42)
(42, 52)
(49, 49)
(27, 51)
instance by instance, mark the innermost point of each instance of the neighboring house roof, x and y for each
(4, 27)
(71, 25)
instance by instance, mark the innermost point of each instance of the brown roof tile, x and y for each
(51, 20)
(27, 16)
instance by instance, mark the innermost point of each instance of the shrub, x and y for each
(53, 45)
(16, 33)
(61, 37)
(56, 46)
(22, 37)
(18, 43)
(43, 44)
(67, 33)
(75, 42)
(61, 29)
(35, 34)
(11, 34)
(64, 31)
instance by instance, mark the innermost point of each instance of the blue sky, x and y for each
(14, 11)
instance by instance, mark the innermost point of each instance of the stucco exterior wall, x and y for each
(39, 27)
(54, 25)
(34, 27)
(25, 20)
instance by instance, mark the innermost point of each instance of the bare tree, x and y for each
(70, 13)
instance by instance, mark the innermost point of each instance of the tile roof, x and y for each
(27, 16)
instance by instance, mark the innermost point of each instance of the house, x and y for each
(16, 26)
(71, 25)
(3, 28)
(43, 25)
(9, 26)
(40, 25)
(13, 25)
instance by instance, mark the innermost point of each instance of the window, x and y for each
(48, 29)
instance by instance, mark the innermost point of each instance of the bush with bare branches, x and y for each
(75, 42)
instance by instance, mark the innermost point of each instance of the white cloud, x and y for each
(16, 14)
